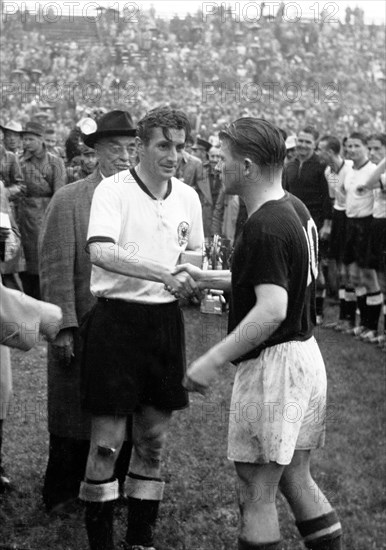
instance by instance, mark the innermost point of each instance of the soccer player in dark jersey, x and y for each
(280, 382)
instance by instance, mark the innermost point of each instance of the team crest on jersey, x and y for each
(183, 233)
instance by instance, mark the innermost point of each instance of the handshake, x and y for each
(185, 281)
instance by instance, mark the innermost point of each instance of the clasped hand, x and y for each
(182, 284)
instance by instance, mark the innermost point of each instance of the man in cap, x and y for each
(43, 174)
(140, 222)
(65, 280)
(12, 136)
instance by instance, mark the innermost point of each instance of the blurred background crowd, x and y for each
(217, 66)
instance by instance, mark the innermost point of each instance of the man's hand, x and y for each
(200, 374)
(182, 285)
(325, 230)
(64, 346)
(194, 271)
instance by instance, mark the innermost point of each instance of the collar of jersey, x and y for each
(146, 190)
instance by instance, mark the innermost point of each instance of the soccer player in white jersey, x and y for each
(329, 150)
(141, 220)
(376, 256)
(359, 210)
(280, 380)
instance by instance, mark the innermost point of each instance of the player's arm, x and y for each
(115, 258)
(258, 325)
(214, 279)
(372, 181)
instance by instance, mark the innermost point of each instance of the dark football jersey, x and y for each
(278, 245)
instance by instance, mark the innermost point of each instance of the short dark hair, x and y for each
(255, 138)
(311, 130)
(359, 135)
(165, 118)
(332, 143)
(378, 137)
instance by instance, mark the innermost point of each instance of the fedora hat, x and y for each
(12, 126)
(113, 123)
(33, 128)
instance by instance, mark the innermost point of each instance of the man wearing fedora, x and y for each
(65, 270)
(12, 136)
(43, 174)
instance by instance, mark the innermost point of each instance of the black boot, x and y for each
(99, 525)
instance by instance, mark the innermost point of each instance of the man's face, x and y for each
(32, 143)
(159, 157)
(88, 161)
(50, 140)
(323, 153)
(230, 169)
(356, 150)
(200, 152)
(305, 145)
(11, 140)
(377, 151)
(214, 156)
(114, 154)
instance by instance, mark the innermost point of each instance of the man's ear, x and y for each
(247, 165)
(138, 142)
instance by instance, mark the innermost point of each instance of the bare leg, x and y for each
(258, 484)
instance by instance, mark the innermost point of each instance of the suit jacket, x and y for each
(65, 271)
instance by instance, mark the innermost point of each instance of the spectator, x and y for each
(43, 175)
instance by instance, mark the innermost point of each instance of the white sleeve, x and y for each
(105, 214)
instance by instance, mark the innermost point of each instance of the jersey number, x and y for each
(312, 243)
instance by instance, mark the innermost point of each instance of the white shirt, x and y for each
(335, 182)
(124, 212)
(359, 203)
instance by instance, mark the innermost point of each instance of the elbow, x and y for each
(95, 252)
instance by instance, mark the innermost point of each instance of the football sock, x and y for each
(342, 303)
(144, 495)
(322, 533)
(361, 294)
(373, 306)
(351, 304)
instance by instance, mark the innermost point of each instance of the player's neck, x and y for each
(254, 197)
(156, 186)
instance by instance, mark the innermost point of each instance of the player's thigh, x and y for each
(258, 482)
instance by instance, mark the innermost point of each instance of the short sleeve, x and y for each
(105, 213)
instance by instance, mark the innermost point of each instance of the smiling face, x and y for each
(158, 157)
(305, 145)
(114, 154)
